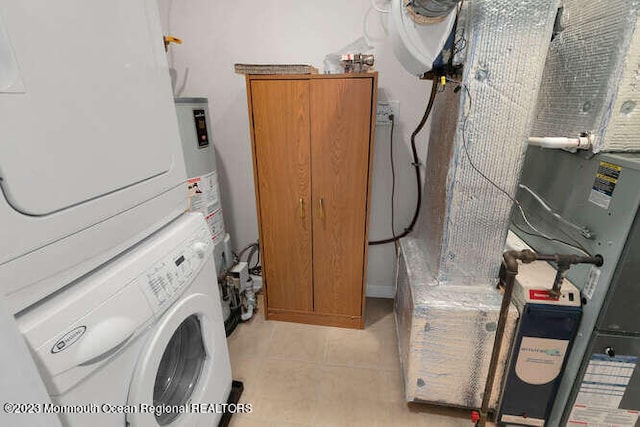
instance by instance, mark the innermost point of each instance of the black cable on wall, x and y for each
(416, 165)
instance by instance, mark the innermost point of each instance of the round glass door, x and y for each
(180, 368)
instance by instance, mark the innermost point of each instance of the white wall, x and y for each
(217, 34)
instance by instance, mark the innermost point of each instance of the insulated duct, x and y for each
(590, 79)
(445, 335)
(447, 304)
(465, 216)
(417, 40)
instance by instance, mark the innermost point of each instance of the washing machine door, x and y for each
(176, 381)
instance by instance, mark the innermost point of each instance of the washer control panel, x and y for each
(169, 276)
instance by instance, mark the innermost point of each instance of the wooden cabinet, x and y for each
(312, 144)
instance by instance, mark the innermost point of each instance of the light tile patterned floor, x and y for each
(302, 375)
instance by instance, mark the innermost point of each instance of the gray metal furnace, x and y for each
(607, 391)
(597, 198)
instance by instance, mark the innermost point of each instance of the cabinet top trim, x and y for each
(370, 75)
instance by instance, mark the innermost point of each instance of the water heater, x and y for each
(202, 184)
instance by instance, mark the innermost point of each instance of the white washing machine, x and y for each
(90, 154)
(138, 339)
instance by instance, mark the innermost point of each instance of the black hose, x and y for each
(416, 165)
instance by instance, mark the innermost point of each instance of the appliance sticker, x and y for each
(602, 389)
(216, 225)
(540, 359)
(592, 282)
(605, 183)
(592, 416)
(540, 295)
(204, 197)
(196, 195)
(525, 421)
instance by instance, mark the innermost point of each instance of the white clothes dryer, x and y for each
(90, 160)
(140, 341)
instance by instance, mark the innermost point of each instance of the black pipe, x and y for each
(416, 165)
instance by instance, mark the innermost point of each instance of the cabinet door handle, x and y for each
(301, 202)
(321, 203)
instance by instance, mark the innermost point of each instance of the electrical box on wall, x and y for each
(385, 109)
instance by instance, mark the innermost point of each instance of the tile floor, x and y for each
(303, 375)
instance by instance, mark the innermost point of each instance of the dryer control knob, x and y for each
(200, 249)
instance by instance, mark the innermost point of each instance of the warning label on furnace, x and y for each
(604, 184)
(583, 415)
(601, 392)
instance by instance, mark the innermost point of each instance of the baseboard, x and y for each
(373, 291)
(379, 291)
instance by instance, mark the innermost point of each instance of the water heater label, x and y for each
(605, 183)
(216, 225)
(540, 359)
(204, 197)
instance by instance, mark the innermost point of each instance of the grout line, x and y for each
(321, 365)
(325, 350)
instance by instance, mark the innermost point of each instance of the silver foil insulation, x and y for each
(465, 217)
(591, 79)
(445, 335)
(447, 305)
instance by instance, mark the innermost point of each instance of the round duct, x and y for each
(418, 39)
(430, 11)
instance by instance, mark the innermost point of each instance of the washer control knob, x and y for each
(200, 249)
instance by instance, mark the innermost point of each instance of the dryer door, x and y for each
(90, 153)
(179, 368)
(90, 119)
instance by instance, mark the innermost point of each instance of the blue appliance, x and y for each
(543, 340)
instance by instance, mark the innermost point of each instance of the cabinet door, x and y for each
(340, 131)
(280, 110)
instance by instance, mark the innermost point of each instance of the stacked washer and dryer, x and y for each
(110, 282)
